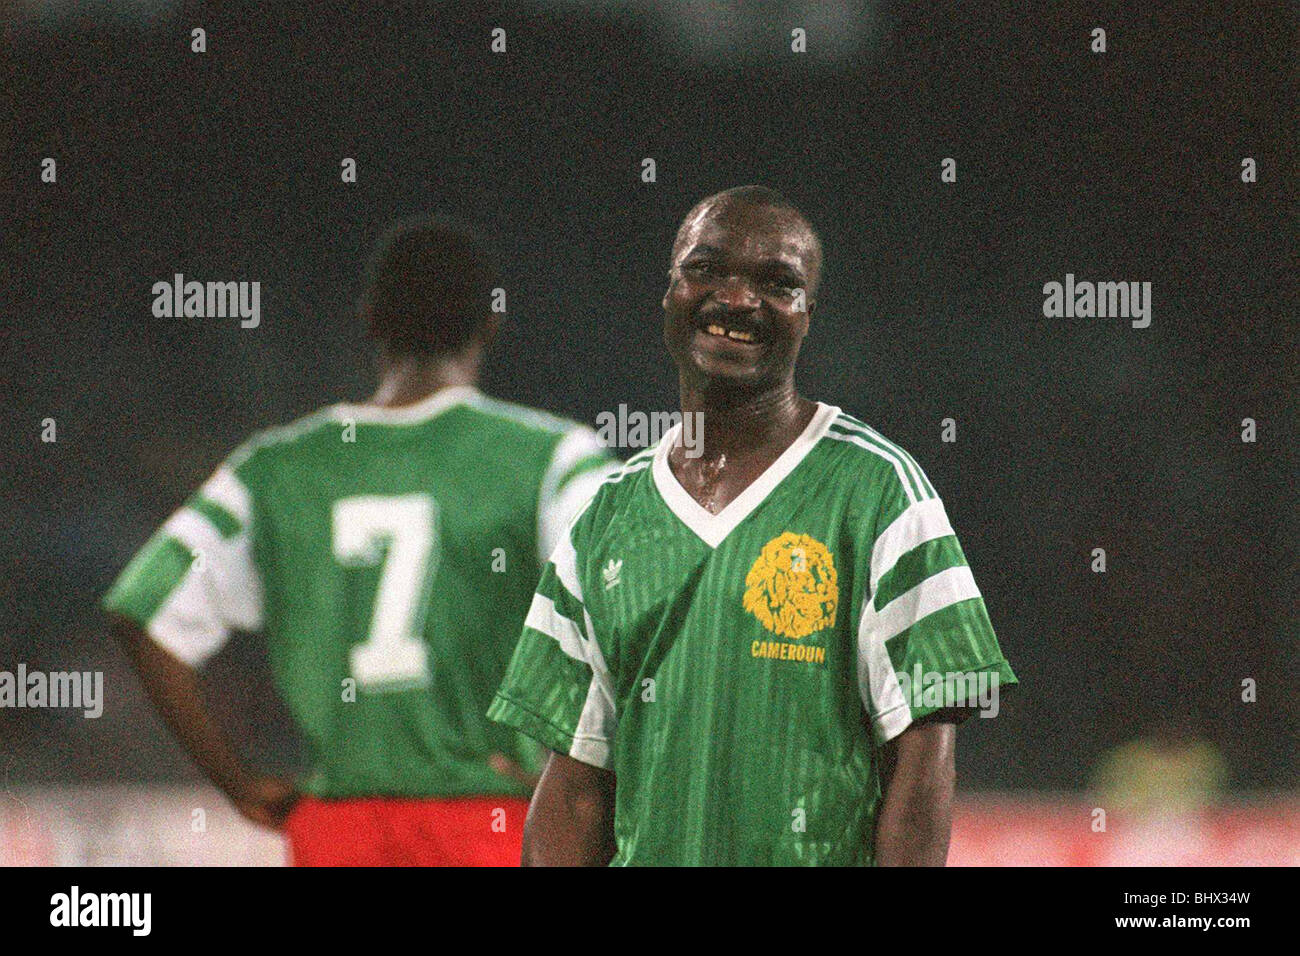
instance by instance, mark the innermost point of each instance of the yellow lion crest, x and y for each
(792, 586)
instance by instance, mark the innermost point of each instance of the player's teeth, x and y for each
(740, 336)
(717, 330)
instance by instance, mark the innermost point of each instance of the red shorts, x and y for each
(386, 831)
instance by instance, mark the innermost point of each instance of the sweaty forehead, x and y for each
(746, 230)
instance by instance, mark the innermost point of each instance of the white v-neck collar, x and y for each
(423, 410)
(713, 528)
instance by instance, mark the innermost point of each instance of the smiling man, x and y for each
(720, 648)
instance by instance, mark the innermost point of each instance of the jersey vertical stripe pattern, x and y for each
(738, 671)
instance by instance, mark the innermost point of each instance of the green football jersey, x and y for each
(389, 557)
(739, 671)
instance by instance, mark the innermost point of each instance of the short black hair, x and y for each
(428, 287)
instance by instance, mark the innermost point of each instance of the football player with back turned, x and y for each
(387, 552)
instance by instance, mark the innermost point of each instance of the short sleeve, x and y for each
(195, 580)
(557, 689)
(924, 639)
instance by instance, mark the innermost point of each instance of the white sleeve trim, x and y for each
(597, 721)
(565, 560)
(187, 624)
(595, 728)
(924, 521)
(891, 723)
(544, 618)
(220, 591)
(878, 685)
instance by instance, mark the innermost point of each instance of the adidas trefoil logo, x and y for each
(612, 572)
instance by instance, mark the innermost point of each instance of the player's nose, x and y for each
(737, 293)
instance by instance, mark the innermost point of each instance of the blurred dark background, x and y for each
(1072, 433)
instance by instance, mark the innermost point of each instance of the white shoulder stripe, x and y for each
(630, 467)
(192, 529)
(636, 463)
(847, 421)
(892, 459)
(913, 469)
(224, 488)
(543, 617)
(878, 685)
(933, 594)
(565, 560)
(921, 522)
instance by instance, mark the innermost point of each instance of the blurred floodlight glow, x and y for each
(731, 31)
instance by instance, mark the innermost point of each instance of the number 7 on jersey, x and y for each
(393, 654)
